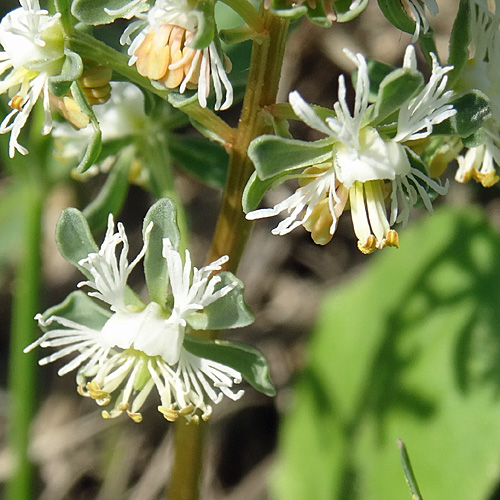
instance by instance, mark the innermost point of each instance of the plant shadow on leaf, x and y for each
(408, 350)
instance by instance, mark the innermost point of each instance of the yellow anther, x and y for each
(187, 409)
(17, 102)
(123, 406)
(488, 179)
(136, 417)
(195, 420)
(169, 413)
(392, 239)
(370, 245)
(95, 392)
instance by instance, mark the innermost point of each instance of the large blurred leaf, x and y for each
(409, 350)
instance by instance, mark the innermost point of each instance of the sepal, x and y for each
(256, 188)
(229, 311)
(74, 239)
(473, 108)
(395, 89)
(97, 12)
(205, 30)
(79, 308)
(72, 69)
(163, 215)
(247, 360)
(345, 13)
(273, 155)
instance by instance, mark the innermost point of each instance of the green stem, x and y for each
(90, 48)
(232, 228)
(22, 366)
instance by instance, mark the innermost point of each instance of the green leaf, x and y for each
(163, 216)
(459, 41)
(408, 472)
(273, 155)
(408, 349)
(230, 311)
(81, 309)
(73, 237)
(113, 193)
(204, 160)
(248, 360)
(395, 89)
(472, 110)
(71, 70)
(96, 12)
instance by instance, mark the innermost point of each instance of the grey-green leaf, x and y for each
(248, 360)
(230, 311)
(163, 216)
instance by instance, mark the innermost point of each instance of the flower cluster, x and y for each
(161, 51)
(481, 72)
(129, 349)
(33, 52)
(366, 168)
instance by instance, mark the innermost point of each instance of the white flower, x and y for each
(479, 162)
(33, 51)
(366, 168)
(138, 349)
(417, 9)
(417, 116)
(161, 51)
